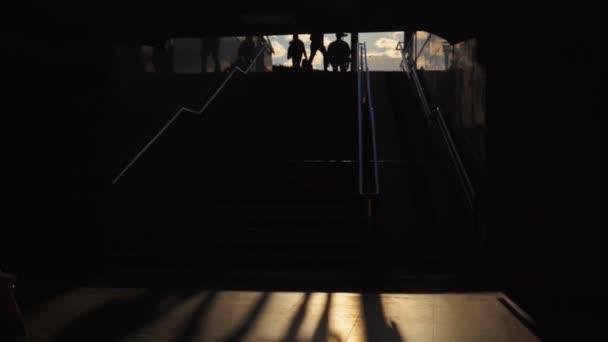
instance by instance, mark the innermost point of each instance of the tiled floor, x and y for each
(140, 315)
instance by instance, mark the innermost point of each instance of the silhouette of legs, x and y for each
(297, 62)
(216, 61)
(313, 51)
(211, 47)
(339, 67)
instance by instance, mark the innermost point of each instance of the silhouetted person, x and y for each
(211, 46)
(338, 53)
(246, 53)
(295, 51)
(159, 54)
(306, 65)
(260, 63)
(317, 44)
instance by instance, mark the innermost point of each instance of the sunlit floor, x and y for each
(103, 314)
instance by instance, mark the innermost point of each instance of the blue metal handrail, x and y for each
(363, 70)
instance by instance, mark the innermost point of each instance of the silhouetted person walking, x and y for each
(317, 44)
(338, 53)
(295, 51)
(246, 53)
(211, 46)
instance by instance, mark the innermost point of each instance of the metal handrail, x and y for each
(419, 52)
(460, 169)
(192, 111)
(270, 47)
(363, 67)
(360, 119)
(404, 49)
(409, 67)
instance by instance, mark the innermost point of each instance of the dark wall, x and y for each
(57, 93)
(543, 179)
(543, 194)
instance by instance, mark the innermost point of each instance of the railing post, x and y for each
(415, 48)
(358, 59)
(364, 96)
(354, 44)
(372, 119)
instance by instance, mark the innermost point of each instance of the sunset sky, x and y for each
(382, 55)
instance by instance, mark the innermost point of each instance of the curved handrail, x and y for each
(192, 111)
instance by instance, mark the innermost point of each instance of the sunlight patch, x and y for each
(279, 49)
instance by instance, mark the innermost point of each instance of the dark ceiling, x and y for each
(186, 18)
(152, 22)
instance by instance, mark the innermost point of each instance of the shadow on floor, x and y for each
(120, 318)
(376, 328)
(295, 324)
(241, 332)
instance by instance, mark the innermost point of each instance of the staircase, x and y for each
(266, 180)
